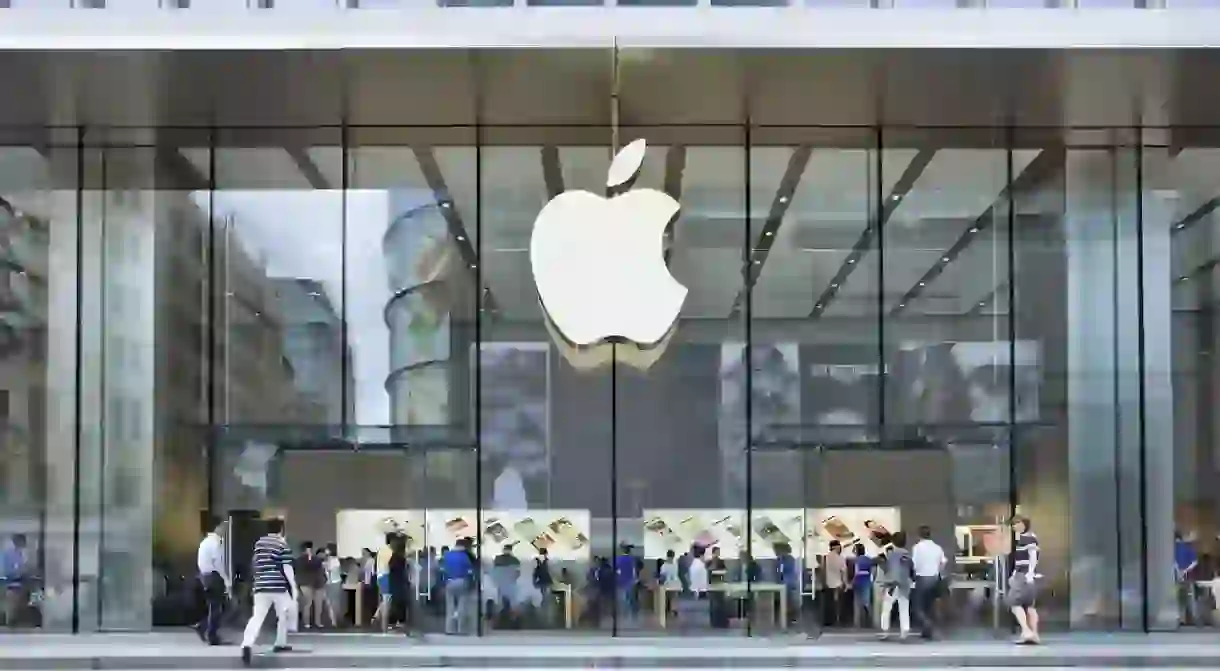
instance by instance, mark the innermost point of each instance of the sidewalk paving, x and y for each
(184, 651)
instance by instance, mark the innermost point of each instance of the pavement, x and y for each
(146, 652)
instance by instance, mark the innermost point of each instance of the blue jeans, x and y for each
(863, 604)
(626, 600)
(457, 607)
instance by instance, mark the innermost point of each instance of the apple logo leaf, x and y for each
(626, 163)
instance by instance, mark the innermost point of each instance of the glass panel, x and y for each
(814, 372)
(1181, 188)
(145, 372)
(669, 406)
(411, 233)
(950, 406)
(283, 373)
(546, 428)
(1067, 466)
(38, 327)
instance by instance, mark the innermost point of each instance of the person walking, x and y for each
(862, 588)
(275, 587)
(312, 577)
(929, 561)
(459, 586)
(895, 581)
(214, 579)
(1023, 585)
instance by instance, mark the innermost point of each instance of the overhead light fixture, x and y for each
(974, 229)
(783, 199)
(944, 259)
(923, 284)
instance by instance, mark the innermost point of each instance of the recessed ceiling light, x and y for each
(944, 259)
(902, 305)
(834, 285)
(897, 196)
(982, 303)
(783, 199)
(923, 284)
(851, 261)
(474, 265)
(769, 233)
(461, 238)
(1181, 225)
(445, 203)
(818, 306)
(974, 229)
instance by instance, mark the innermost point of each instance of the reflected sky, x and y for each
(299, 234)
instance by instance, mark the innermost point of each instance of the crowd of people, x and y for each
(314, 588)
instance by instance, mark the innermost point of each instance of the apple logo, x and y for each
(599, 263)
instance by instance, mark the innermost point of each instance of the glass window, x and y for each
(1179, 199)
(38, 224)
(145, 479)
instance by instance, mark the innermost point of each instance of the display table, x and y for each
(730, 589)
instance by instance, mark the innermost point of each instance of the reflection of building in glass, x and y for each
(420, 264)
(314, 345)
(24, 241)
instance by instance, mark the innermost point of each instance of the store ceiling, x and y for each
(935, 198)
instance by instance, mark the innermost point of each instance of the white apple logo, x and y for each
(599, 263)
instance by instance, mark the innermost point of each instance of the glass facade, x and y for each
(885, 328)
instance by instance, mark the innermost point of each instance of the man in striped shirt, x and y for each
(1023, 585)
(274, 586)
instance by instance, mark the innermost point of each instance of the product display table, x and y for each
(730, 589)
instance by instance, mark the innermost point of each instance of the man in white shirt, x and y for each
(214, 577)
(836, 580)
(929, 561)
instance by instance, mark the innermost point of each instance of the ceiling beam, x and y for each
(453, 220)
(309, 168)
(183, 174)
(675, 168)
(761, 248)
(906, 182)
(1195, 217)
(988, 299)
(552, 171)
(1047, 164)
